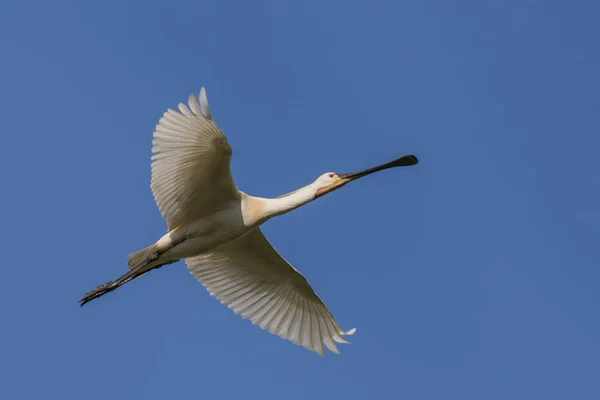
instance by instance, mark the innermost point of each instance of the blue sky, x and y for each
(471, 276)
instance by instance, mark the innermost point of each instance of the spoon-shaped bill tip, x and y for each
(406, 161)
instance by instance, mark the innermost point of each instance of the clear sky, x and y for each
(473, 275)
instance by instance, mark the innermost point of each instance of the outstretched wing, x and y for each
(191, 175)
(250, 277)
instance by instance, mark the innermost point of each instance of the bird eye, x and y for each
(331, 175)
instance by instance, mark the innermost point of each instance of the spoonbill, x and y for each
(216, 228)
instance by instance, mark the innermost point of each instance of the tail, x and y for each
(138, 266)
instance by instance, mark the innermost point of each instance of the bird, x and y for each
(215, 228)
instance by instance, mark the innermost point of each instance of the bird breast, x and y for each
(207, 233)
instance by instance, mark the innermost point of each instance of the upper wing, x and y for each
(191, 173)
(251, 278)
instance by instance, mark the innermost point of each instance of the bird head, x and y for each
(331, 181)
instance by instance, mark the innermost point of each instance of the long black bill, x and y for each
(400, 162)
(345, 178)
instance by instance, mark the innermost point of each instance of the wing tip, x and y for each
(203, 100)
(349, 332)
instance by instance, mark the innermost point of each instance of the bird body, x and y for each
(215, 228)
(204, 233)
(235, 219)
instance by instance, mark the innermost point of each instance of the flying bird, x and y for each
(215, 228)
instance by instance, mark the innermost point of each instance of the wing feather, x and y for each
(191, 175)
(251, 278)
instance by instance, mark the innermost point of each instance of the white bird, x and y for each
(216, 229)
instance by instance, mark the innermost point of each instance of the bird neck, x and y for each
(288, 202)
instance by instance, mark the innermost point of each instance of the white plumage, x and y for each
(215, 228)
(191, 175)
(252, 279)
